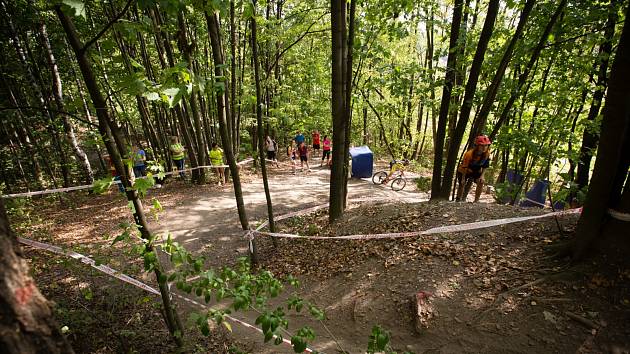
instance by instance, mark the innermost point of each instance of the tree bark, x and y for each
(522, 78)
(26, 318)
(488, 101)
(222, 102)
(469, 93)
(449, 80)
(590, 136)
(338, 174)
(58, 96)
(611, 164)
(115, 145)
(259, 120)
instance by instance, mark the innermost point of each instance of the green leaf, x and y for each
(299, 344)
(77, 6)
(102, 185)
(151, 96)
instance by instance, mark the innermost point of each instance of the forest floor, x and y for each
(493, 290)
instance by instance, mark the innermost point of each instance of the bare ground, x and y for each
(492, 290)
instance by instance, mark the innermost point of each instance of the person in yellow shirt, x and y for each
(177, 152)
(216, 159)
(475, 161)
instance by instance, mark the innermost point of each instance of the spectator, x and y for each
(177, 151)
(216, 159)
(139, 159)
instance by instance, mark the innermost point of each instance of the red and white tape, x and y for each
(127, 279)
(436, 230)
(89, 186)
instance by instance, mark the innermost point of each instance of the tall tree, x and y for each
(469, 93)
(341, 79)
(449, 81)
(606, 190)
(116, 146)
(259, 120)
(590, 136)
(491, 93)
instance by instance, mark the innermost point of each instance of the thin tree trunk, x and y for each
(449, 80)
(522, 78)
(469, 93)
(259, 120)
(115, 147)
(491, 93)
(58, 96)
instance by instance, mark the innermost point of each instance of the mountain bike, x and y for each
(397, 178)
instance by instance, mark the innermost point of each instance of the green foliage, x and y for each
(423, 183)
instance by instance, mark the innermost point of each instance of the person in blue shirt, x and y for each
(299, 138)
(139, 158)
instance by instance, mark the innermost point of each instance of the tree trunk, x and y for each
(449, 80)
(338, 174)
(611, 164)
(110, 131)
(488, 100)
(259, 120)
(469, 93)
(522, 78)
(58, 96)
(222, 102)
(590, 136)
(26, 318)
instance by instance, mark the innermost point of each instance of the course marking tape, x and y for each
(436, 230)
(619, 215)
(127, 279)
(88, 186)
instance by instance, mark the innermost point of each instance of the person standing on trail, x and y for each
(326, 151)
(139, 159)
(216, 159)
(292, 154)
(177, 151)
(271, 146)
(299, 138)
(316, 141)
(475, 161)
(303, 152)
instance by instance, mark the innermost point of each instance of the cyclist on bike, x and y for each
(395, 166)
(475, 161)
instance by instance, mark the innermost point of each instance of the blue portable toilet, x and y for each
(362, 162)
(537, 195)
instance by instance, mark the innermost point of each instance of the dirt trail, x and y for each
(208, 223)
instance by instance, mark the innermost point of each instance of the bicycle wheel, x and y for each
(379, 177)
(398, 184)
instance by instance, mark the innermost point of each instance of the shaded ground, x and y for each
(492, 290)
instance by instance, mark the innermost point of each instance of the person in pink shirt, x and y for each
(326, 151)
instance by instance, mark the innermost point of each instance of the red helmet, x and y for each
(482, 140)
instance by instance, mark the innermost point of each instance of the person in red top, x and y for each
(114, 173)
(316, 141)
(326, 151)
(475, 161)
(303, 152)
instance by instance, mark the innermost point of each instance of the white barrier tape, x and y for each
(88, 186)
(103, 268)
(619, 215)
(436, 230)
(127, 279)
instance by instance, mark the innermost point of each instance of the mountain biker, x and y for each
(395, 166)
(475, 161)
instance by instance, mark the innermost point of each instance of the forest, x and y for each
(336, 176)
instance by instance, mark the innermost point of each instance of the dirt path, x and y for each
(211, 221)
(208, 223)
